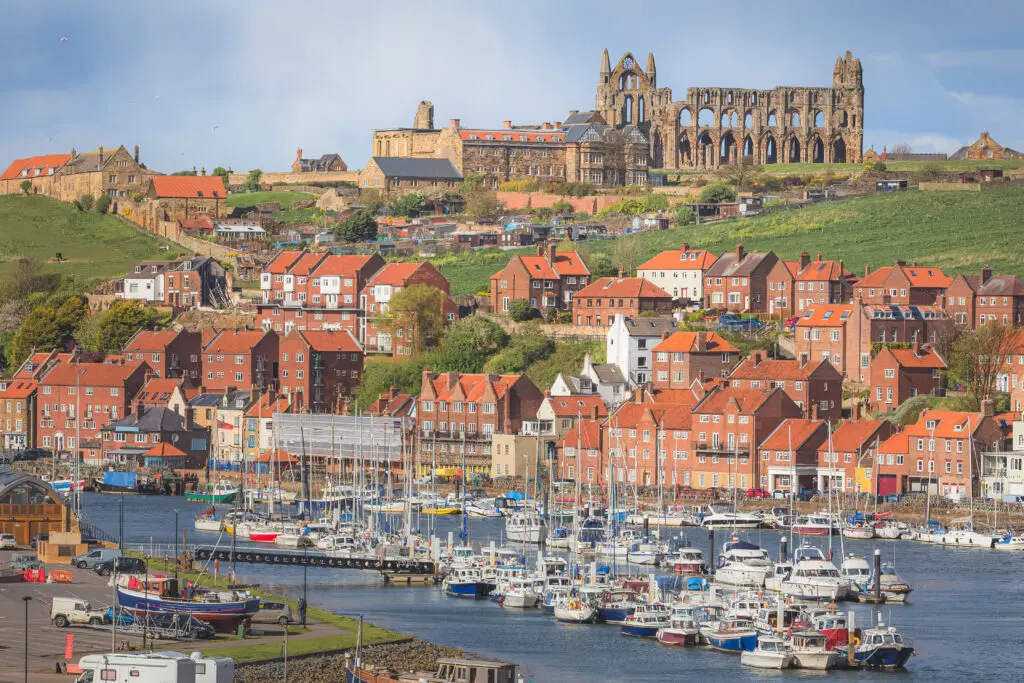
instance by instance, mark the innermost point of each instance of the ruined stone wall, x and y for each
(298, 178)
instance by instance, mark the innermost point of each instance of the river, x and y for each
(964, 617)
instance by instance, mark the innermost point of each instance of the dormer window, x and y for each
(931, 424)
(199, 193)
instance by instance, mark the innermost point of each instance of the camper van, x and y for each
(156, 667)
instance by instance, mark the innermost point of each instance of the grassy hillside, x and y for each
(957, 231)
(94, 245)
(247, 199)
(846, 169)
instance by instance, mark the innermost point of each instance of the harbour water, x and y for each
(965, 617)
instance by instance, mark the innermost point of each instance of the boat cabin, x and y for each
(808, 552)
(475, 671)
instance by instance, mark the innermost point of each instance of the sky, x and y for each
(243, 83)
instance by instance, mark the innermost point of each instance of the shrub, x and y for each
(716, 192)
(520, 310)
(103, 203)
(684, 215)
(86, 202)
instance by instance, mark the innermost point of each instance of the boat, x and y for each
(221, 492)
(856, 570)
(721, 516)
(962, 535)
(646, 554)
(265, 534)
(810, 651)
(743, 564)
(222, 610)
(813, 525)
(681, 629)
(482, 509)
(890, 529)
(893, 586)
(832, 625)
(667, 518)
(466, 582)
(731, 634)
(293, 537)
(207, 521)
(685, 561)
(558, 539)
(616, 606)
(771, 652)
(859, 531)
(525, 527)
(1009, 542)
(814, 578)
(574, 610)
(65, 484)
(440, 510)
(879, 648)
(449, 671)
(644, 623)
(520, 593)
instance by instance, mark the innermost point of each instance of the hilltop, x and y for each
(94, 245)
(956, 231)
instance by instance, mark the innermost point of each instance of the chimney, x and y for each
(392, 392)
(739, 253)
(684, 247)
(986, 274)
(298, 153)
(701, 342)
(593, 412)
(664, 336)
(805, 259)
(552, 250)
(101, 155)
(814, 411)
(545, 126)
(803, 360)
(622, 273)
(915, 348)
(193, 170)
(202, 171)
(819, 257)
(757, 357)
(573, 112)
(867, 270)
(988, 408)
(842, 269)
(855, 410)
(506, 124)
(900, 262)
(557, 125)
(455, 122)
(136, 154)
(540, 250)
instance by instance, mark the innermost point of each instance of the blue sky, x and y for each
(243, 83)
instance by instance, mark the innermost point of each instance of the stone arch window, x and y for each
(794, 151)
(627, 110)
(771, 151)
(819, 119)
(844, 121)
(728, 98)
(794, 119)
(622, 82)
(641, 110)
(748, 147)
(753, 98)
(705, 117)
(734, 119)
(685, 118)
(839, 151)
(707, 97)
(724, 121)
(817, 151)
(748, 120)
(771, 118)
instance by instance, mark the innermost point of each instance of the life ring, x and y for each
(574, 605)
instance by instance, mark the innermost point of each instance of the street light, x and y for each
(305, 568)
(175, 544)
(26, 598)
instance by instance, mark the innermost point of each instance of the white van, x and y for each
(92, 558)
(1013, 499)
(156, 667)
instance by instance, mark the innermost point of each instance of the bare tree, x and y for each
(902, 148)
(616, 148)
(739, 174)
(626, 254)
(978, 358)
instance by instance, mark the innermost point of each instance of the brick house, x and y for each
(580, 450)
(392, 404)
(185, 283)
(738, 281)
(973, 300)
(822, 333)
(168, 353)
(815, 386)
(548, 280)
(258, 424)
(560, 414)
(240, 359)
(898, 374)
(911, 285)
(396, 336)
(629, 345)
(130, 438)
(320, 370)
(679, 272)
(158, 392)
(39, 171)
(638, 437)
(728, 425)
(97, 392)
(597, 304)
(790, 453)
(18, 413)
(684, 357)
(460, 408)
(846, 462)
(179, 197)
(795, 286)
(390, 174)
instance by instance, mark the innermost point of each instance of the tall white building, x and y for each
(679, 272)
(629, 343)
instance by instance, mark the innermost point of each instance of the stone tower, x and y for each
(424, 119)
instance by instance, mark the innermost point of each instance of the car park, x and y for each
(122, 565)
(67, 611)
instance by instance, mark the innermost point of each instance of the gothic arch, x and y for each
(839, 150)
(727, 148)
(748, 148)
(793, 117)
(705, 117)
(706, 150)
(771, 150)
(685, 117)
(819, 119)
(772, 121)
(816, 150)
(627, 110)
(685, 151)
(748, 119)
(793, 151)
(641, 115)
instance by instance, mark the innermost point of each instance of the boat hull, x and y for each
(640, 631)
(208, 524)
(223, 616)
(812, 530)
(817, 661)
(519, 601)
(200, 497)
(880, 657)
(859, 534)
(733, 642)
(814, 591)
(766, 660)
(614, 615)
(580, 615)
(469, 590)
(264, 536)
(671, 636)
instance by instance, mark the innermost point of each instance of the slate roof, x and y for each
(608, 373)
(432, 169)
(650, 327)
(727, 266)
(152, 420)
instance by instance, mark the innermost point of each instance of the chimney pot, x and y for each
(136, 154)
(557, 125)
(814, 411)
(684, 247)
(298, 153)
(540, 250)
(867, 270)
(455, 122)
(986, 274)
(855, 410)
(101, 155)
(988, 407)
(552, 250)
(739, 253)
(506, 124)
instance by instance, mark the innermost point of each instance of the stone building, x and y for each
(176, 198)
(985, 149)
(396, 173)
(39, 171)
(114, 172)
(322, 164)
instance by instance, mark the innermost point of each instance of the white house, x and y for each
(680, 272)
(629, 343)
(145, 283)
(1002, 472)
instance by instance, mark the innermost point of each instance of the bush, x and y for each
(716, 192)
(25, 186)
(684, 215)
(103, 203)
(86, 202)
(876, 166)
(519, 185)
(520, 310)
(573, 189)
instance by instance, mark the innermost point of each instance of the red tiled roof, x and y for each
(770, 368)
(876, 278)
(234, 341)
(586, 435)
(277, 456)
(949, 424)
(331, 340)
(927, 276)
(340, 265)
(635, 287)
(680, 259)
(35, 361)
(386, 406)
(677, 397)
(925, 359)
(305, 264)
(826, 315)
(164, 450)
(897, 443)
(852, 435)
(748, 400)
(19, 388)
(150, 340)
(472, 385)
(190, 187)
(44, 165)
(157, 390)
(571, 406)
(394, 274)
(819, 271)
(92, 374)
(686, 342)
(532, 135)
(196, 224)
(267, 405)
(791, 432)
(282, 262)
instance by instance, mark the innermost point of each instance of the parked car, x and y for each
(39, 538)
(32, 454)
(23, 561)
(94, 557)
(8, 542)
(123, 565)
(273, 613)
(728, 319)
(757, 493)
(66, 611)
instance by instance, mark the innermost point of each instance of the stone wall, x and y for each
(951, 187)
(297, 178)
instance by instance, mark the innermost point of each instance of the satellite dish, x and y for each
(174, 438)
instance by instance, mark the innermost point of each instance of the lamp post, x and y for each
(305, 568)
(175, 544)
(26, 598)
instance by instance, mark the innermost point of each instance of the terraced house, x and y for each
(738, 281)
(795, 286)
(390, 333)
(548, 280)
(976, 300)
(911, 285)
(598, 303)
(241, 359)
(680, 272)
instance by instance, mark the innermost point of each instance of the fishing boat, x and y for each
(856, 570)
(466, 582)
(265, 534)
(743, 564)
(771, 652)
(525, 527)
(207, 521)
(722, 516)
(832, 625)
(220, 492)
(681, 629)
(879, 648)
(644, 623)
(813, 525)
(814, 578)
(810, 651)
(731, 634)
(685, 561)
(66, 484)
(519, 594)
(224, 610)
(1009, 542)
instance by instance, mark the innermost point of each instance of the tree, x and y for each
(86, 201)
(979, 358)
(902, 148)
(409, 204)
(373, 200)
(252, 179)
(25, 186)
(528, 345)
(562, 207)
(626, 254)
(684, 215)
(417, 309)
(26, 277)
(380, 373)
(521, 310)
(361, 226)
(739, 175)
(716, 192)
(616, 149)
(468, 344)
(600, 265)
(122, 320)
(39, 331)
(223, 173)
(103, 203)
(483, 204)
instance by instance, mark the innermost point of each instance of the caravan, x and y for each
(156, 667)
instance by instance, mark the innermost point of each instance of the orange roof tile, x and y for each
(235, 341)
(925, 359)
(277, 456)
(771, 368)
(282, 262)
(267, 405)
(571, 406)
(516, 135)
(395, 274)
(748, 400)
(331, 340)
(341, 265)
(305, 263)
(686, 342)
(792, 432)
(472, 385)
(189, 187)
(684, 397)
(157, 390)
(92, 374)
(164, 450)
(826, 315)
(949, 424)
(635, 287)
(35, 167)
(586, 435)
(876, 278)
(897, 443)
(150, 340)
(852, 435)
(19, 388)
(30, 368)
(680, 259)
(927, 276)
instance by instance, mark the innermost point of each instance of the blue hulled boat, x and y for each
(880, 648)
(644, 624)
(732, 634)
(222, 610)
(466, 582)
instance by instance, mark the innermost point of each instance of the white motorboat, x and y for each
(342, 544)
(667, 518)
(813, 525)
(293, 537)
(687, 561)
(572, 610)
(482, 509)
(860, 531)
(810, 652)
(558, 539)
(814, 578)
(721, 516)
(648, 558)
(520, 594)
(856, 570)
(743, 564)
(525, 527)
(771, 653)
(1009, 543)
(963, 535)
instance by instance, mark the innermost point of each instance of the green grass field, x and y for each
(956, 231)
(94, 245)
(247, 199)
(847, 169)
